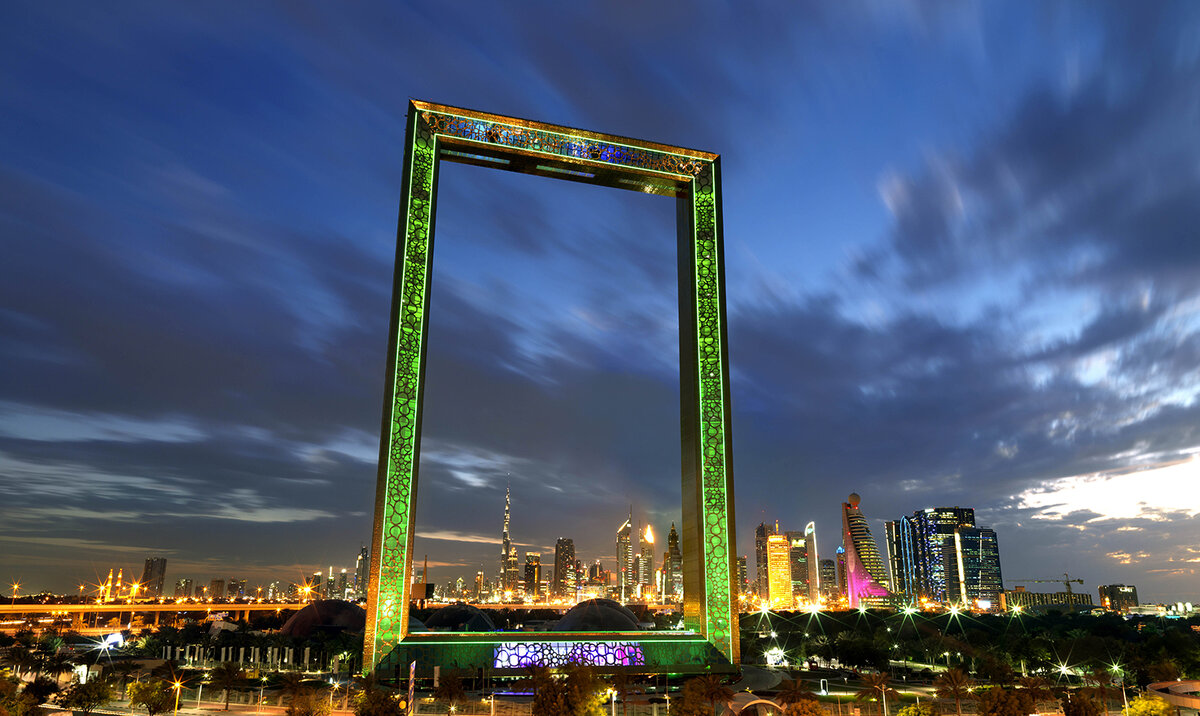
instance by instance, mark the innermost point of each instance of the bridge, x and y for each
(1180, 694)
(17, 616)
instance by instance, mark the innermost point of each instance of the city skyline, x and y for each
(961, 271)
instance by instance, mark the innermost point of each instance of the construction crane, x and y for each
(1066, 581)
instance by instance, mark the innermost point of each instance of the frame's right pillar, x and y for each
(709, 551)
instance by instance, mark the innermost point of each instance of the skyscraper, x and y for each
(814, 570)
(798, 557)
(646, 563)
(940, 554)
(977, 567)
(183, 588)
(362, 566)
(533, 574)
(626, 576)
(153, 576)
(864, 569)
(509, 573)
(564, 568)
(779, 572)
(829, 583)
(1118, 597)
(674, 566)
(761, 533)
(743, 575)
(840, 555)
(923, 549)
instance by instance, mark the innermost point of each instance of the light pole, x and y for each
(612, 695)
(262, 686)
(200, 693)
(16, 586)
(178, 687)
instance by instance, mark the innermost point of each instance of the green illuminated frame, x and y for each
(438, 132)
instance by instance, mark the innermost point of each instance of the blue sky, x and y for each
(960, 255)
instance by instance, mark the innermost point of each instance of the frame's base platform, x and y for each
(511, 653)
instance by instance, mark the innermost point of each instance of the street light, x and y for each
(260, 693)
(178, 687)
(612, 695)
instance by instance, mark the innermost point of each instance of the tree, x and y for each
(41, 689)
(1037, 687)
(921, 709)
(876, 686)
(156, 696)
(123, 670)
(1148, 706)
(714, 690)
(374, 701)
(308, 702)
(954, 684)
(1101, 681)
(1163, 671)
(1005, 702)
(450, 688)
(86, 697)
(227, 677)
(794, 695)
(1076, 703)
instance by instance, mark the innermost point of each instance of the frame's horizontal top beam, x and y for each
(562, 130)
(463, 151)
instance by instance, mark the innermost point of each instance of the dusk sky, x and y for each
(962, 256)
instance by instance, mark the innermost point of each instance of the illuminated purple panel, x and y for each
(553, 654)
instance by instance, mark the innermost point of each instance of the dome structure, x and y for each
(598, 615)
(854, 499)
(459, 617)
(328, 615)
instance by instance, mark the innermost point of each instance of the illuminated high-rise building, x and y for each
(840, 556)
(761, 533)
(814, 568)
(509, 572)
(798, 557)
(779, 572)
(362, 565)
(743, 575)
(533, 574)
(921, 550)
(975, 570)
(646, 563)
(1118, 597)
(673, 567)
(829, 583)
(626, 575)
(183, 588)
(865, 578)
(216, 589)
(564, 568)
(153, 578)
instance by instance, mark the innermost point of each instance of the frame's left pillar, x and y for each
(400, 442)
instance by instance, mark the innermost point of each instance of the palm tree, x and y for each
(123, 670)
(714, 690)
(291, 685)
(1101, 679)
(954, 684)
(1037, 687)
(226, 677)
(450, 689)
(877, 684)
(794, 692)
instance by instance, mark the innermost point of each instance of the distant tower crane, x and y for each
(1066, 581)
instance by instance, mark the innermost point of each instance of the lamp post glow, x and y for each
(178, 687)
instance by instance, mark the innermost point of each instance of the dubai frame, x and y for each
(436, 133)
